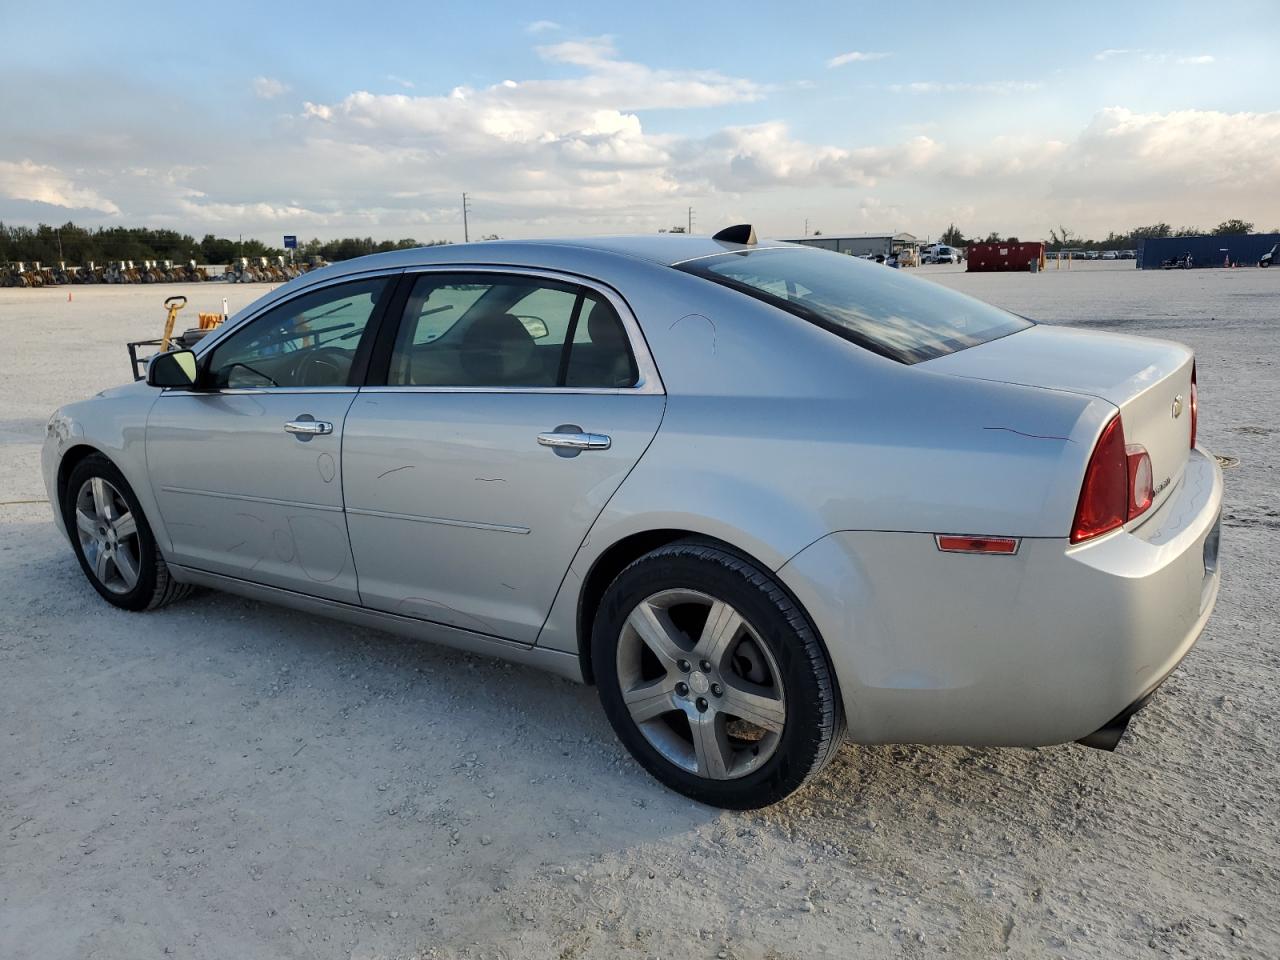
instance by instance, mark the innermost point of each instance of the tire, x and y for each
(694, 633)
(116, 549)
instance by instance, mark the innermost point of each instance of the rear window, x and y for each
(874, 306)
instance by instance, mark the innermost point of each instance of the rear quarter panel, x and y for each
(778, 433)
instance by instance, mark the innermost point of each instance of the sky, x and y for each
(330, 120)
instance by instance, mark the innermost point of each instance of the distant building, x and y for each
(861, 244)
(1245, 249)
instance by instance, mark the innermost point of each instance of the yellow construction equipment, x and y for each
(185, 340)
(173, 305)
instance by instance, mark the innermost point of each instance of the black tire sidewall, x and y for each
(801, 748)
(96, 465)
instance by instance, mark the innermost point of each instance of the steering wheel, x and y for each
(322, 367)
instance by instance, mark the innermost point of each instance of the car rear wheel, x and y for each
(713, 677)
(112, 539)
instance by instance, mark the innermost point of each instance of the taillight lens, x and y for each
(1104, 496)
(1118, 484)
(1195, 407)
(1141, 483)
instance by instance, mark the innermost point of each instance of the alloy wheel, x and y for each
(700, 685)
(108, 534)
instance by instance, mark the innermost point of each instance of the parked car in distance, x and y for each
(1110, 255)
(765, 497)
(1269, 257)
(1128, 254)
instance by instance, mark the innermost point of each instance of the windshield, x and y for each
(874, 306)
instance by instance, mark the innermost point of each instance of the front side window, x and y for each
(308, 341)
(495, 330)
(882, 309)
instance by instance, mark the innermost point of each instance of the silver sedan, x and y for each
(765, 497)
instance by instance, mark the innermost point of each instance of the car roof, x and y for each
(664, 249)
(588, 255)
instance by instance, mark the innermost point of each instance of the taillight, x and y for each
(1118, 484)
(1195, 407)
(1104, 496)
(1141, 484)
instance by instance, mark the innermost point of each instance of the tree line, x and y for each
(1064, 238)
(77, 245)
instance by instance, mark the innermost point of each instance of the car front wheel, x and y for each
(112, 539)
(713, 677)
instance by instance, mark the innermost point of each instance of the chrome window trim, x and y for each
(648, 382)
(257, 391)
(574, 391)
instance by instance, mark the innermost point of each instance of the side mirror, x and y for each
(177, 368)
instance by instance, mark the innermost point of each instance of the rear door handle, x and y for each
(305, 429)
(575, 441)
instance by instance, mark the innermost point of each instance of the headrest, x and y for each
(603, 325)
(497, 350)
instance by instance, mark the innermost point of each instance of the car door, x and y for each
(246, 469)
(508, 409)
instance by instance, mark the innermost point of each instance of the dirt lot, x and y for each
(227, 779)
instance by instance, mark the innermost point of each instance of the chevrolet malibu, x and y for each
(764, 497)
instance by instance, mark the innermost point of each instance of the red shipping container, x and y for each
(986, 257)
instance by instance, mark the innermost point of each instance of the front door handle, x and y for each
(575, 441)
(305, 428)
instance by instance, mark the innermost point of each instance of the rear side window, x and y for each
(874, 306)
(495, 330)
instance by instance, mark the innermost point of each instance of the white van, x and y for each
(940, 253)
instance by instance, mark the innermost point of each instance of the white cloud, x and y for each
(855, 56)
(579, 152)
(993, 86)
(1157, 56)
(590, 52)
(1123, 169)
(40, 183)
(268, 88)
(1171, 153)
(542, 26)
(765, 155)
(400, 81)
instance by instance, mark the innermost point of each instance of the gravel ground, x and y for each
(228, 779)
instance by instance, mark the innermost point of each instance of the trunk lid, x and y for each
(1149, 381)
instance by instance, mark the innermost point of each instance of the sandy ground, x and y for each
(227, 779)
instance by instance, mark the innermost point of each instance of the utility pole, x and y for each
(806, 226)
(690, 220)
(466, 231)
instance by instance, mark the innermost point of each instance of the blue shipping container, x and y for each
(1245, 249)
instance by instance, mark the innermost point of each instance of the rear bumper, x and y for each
(1047, 646)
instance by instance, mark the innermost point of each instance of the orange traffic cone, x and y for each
(68, 296)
